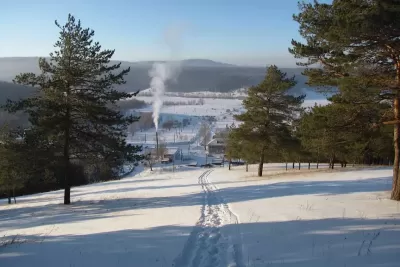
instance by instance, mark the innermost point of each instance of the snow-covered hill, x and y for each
(216, 217)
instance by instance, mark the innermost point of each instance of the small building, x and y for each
(173, 153)
(216, 146)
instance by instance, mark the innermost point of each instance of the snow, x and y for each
(211, 107)
(333, 218)
(210, 217)
(137, 221)
(238, 93)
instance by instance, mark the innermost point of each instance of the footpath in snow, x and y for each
(318, 218)
(210, 217)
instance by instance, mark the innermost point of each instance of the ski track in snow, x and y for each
(208, 245)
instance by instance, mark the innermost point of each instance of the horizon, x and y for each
(184, 59)
(232, 32)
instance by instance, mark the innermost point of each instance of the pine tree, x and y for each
(239, 148)
(270, 110)
(12, 163)
(358, 39)
(350, 136)
(321, 132)
(75, 107)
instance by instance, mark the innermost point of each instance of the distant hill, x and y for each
(13, 91)
(195, 75)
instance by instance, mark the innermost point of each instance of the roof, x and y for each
(217, 142)
(171, 150)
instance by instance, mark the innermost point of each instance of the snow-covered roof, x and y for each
(171, 150)
(216, 142)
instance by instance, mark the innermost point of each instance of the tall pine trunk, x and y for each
(229, 164)
(261, 165)
(67, 181)
(247, 167)
(396, 140)
(286, 165)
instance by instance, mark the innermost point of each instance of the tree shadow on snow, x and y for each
(330, 242)
(87, 209)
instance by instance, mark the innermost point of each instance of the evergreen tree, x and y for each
(270, 110)
(321, 133)
(12, 163)
(239, 148)
(75, 107)
(351, 135)
(358, 39)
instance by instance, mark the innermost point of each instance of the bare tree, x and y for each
(150, 159)
(162, 149)
(205, 134)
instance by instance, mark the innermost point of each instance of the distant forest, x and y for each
(195, 75)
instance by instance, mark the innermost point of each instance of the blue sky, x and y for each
(253, 32)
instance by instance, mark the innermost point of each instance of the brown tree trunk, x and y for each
(309, 165)
(261, 164)
(286, 165)
(293, 164)
(67, 181)
(15, 200)
(299, 165)
(9, 196)
(396, 140)
(247, 167)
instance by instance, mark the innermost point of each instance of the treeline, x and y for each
(76, 131)
(275, 127)
(130, 104)
(198, 102)
(206, 94)
(356, 45)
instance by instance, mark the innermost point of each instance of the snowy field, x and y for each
(211, 107)
(171, 136)
(222, 109)
(210, 217)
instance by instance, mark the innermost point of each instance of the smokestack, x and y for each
(158, 154)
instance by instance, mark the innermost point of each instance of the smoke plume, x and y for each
(162, 72)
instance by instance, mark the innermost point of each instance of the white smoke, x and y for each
(162, 72)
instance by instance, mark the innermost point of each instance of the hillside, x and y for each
(196, 75)
(215, 217)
